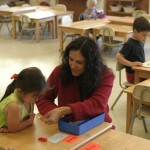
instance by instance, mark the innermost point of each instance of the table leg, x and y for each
(94, 34)
(37, 32)
(56, 26)
(53, 29)
(14, 27)
(125, 38)
(129, 111)
(61, 41)
(136, 77)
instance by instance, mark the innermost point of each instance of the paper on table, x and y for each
(146, 64)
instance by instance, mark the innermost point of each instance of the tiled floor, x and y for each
(16, 55)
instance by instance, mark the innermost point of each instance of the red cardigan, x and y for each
(70, 96)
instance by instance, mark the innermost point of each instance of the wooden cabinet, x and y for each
(78, 6)
(139, 4)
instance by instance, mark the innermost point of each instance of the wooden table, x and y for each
(43, 15)
(27, 139)
(16, 10)
(130, 108)
(120, 30)
(141, 72)
(37, 17)
(58, 15)
(127, 20)
(80, 27)
(115, 140)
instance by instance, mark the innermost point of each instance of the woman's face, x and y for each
(76, 62)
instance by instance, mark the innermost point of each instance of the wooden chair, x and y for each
(5, 19)
(25, 5)
(141, 95)
(108, 35)
(66, 20)
(60, 7)
(27, 26)
(56, 7)
(147, 16)
(123, 85)
(138, 13)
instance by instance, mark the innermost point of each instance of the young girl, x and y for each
(17, 104)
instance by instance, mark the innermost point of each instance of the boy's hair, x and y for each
(141, 24)
(28, 80)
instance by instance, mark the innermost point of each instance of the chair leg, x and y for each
(8, 28)
(131, 125)
(144, 123)
(65, 38)
(1, 25)
(20, 35)
(116, 100)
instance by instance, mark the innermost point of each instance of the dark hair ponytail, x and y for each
(28, 80)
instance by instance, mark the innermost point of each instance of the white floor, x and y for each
(16, 55)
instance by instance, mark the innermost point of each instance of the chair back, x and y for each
(25, 5)
(107, 31)
(138, 13)
(119, 66)
(4, 6)
(142, 93)
(66, 19)
(25, 21)
(147, 16)
(60, 7)
(107, 34)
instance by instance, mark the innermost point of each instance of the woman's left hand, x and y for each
(54, 115)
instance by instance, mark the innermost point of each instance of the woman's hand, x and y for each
(54, 115)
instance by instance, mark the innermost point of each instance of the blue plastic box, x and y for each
(80, 127)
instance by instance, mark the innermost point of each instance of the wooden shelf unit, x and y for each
(139, 4)
(78, 6)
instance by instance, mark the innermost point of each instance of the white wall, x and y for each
(101, 4)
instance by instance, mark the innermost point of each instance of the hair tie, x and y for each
(14, 76)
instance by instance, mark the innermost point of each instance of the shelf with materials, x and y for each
(139, 4)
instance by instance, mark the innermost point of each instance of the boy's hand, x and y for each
(136, 63)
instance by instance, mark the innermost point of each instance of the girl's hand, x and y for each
(4, 130)
(31, 118)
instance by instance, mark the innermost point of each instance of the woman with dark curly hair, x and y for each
(82, 84)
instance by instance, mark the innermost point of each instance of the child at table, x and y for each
(132, 54)
(17, 104)
(92, 12)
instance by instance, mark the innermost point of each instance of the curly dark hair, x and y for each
(94, 65)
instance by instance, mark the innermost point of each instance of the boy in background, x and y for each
(132, 54)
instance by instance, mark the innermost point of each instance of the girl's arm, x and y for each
(13, 114)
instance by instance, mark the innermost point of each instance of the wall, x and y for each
(36, 2)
